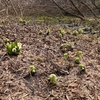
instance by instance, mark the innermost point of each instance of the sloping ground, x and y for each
(44, 52)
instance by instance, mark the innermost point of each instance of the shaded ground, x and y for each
(44, 52)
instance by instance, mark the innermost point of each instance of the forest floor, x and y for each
(44, 51)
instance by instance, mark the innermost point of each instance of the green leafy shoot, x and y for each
(79, 53)
(60, 35)
(48, 32)
(6, 40)
(53, 78)
(75, 32)
(98, 38)
(80, 31)
(81, 67)
(66, 56)
(77, 60)
(21, 20)
(32, 69)
(40, 32)
(2, 21)
(63, 46)
(68, 31)
(62, 31)
(70, 46)
(13, 48)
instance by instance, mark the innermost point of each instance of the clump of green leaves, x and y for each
(70, 46)
(99, 39)
(68, 31)
(62, 31)
(80, 31)
(75, 32)
(63, 46)
(13, 48)
(77, 60)
(60, 35)
(32, 69)
(2, 21)
(6, 40)
(66, 56)
(22, 20)
(40, 32)
(48, 32)
(82, 67)
(79, 53)
(53, 78)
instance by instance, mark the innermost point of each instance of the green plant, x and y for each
(6, 40)
(63, 46)
(13, 48)
(98, 38)
(68, 31)
(2, 21)
(77, 60)
(32, 69)
(75, 32)
(60, 35)
(53, 78)
(48, 32)
(21, 20)
(62, 31)
(40, 32)
(70, 46)
(79, 53)
(81, 67)
(66, 56)
(80, 31)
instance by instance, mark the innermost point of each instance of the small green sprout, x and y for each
(82, 67)
(13, 48)
(32, 69)
(98, 38)
(6, 40)
(63, 46)
(60, 35)
(70, 46)
(53, 78)
(3, 21)
(48, 32)
(75, 32)
(62, 31)
(80, 31)
(40, 32)
(21, 20)
(79, 54)
(77, 60)
(95, 35)
(66, 55)
(68, 31)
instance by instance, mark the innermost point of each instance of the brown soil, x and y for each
(44, 52)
